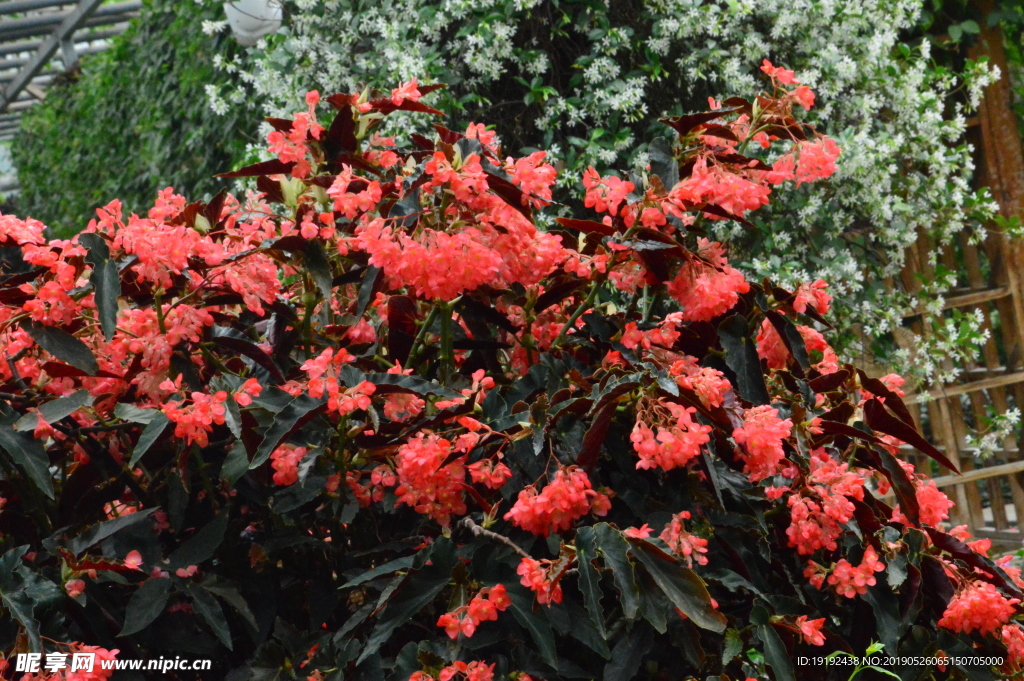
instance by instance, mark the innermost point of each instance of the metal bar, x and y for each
(6, 64)
(43, 77)
(68, 53)
(46, 51)
(82, 36)
(54, 18)
(29, 5)
(32, 26)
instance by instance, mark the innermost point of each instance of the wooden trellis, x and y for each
(989, 498)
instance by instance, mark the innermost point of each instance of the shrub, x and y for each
(588, 81)
(131, 121)
(371, 422)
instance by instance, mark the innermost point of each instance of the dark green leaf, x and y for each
(583, 630)
(232, 340)
(202, 545)
(20, 607)
(733, 646)
(682, 585)
(209, 609)
(150, 434)
(741, 356)
(233, 418)
(615, 552)
(775, 653)
(534, 622)
(405, 213)
(367, 288)
(886, 608)
(14, 596)
(791, 338)
(418, 589)
(654, 605)
(63, 346)
(229, 592)
(415, 384)
(55, 410)
(129, 412)
(97, 533)
(28, 453)
(629, 652)
(146, 605)
(319, 269)
(236, 464)
(298, 411)
(105, 279)
(590, 579)
(663, 162)
(385, 569)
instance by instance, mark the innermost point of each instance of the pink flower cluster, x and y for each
(431, 488)
(322, 371)
(707, 290)
(605, 194)
(194, 422)
(711, 385)
(1012, 636)
(489, 473)
(810, 630)
(478, 239)
(470, 671)
(567, 497)
(819, 511)
(760, 439)
(664, 335)
(285, 462)
(678, 439)
(933, 504)
(689, 547)
(812, 296)
(543, 577)
(291, 146)
(381, 477)
(978, 607)
(483, 607)
(770, 347)
(352, 203)
(849, 580)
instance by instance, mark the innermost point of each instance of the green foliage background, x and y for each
(135, 120)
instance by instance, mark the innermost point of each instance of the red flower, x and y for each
(567, 497)
(810, 630)
(978, 606)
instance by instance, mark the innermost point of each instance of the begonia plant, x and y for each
(372, 421)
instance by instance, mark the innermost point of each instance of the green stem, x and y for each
(587, 303)
(159, 301)
(417, 344)
(447, 353)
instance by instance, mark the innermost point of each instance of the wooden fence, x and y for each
(989, 497)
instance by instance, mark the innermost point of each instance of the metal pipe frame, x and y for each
(53, 18)
(84, 35)
(93, 22)
(6, 64)
(71, 23)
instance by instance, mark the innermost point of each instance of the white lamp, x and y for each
(250, 20)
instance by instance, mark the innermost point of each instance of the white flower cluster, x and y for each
(904, 170)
